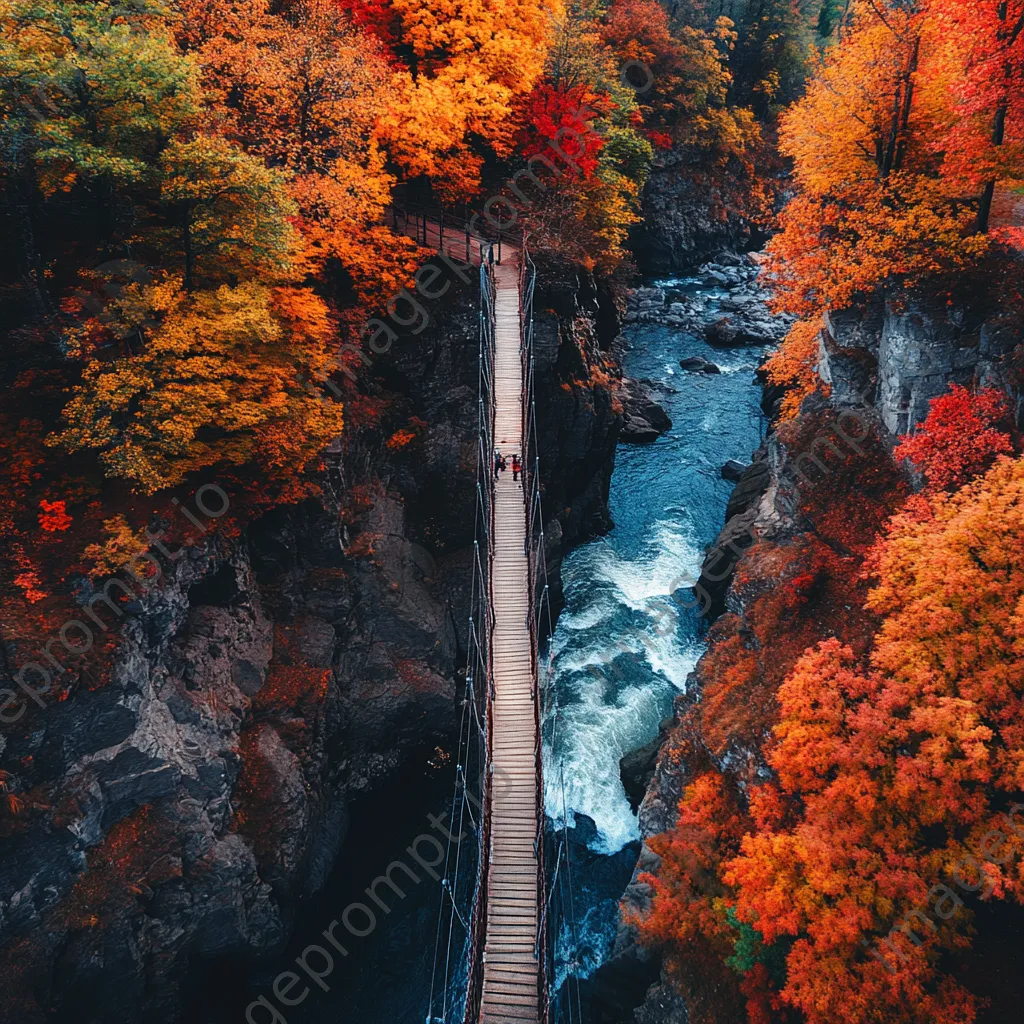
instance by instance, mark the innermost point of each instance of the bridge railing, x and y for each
(556, 898)
(457, 230)
(540, 602)
(484, 692)
(460, 936)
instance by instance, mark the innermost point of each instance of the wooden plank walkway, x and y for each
(511, 969)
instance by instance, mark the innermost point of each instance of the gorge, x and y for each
(777, 376)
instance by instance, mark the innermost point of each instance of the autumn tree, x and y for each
(687, 97)
(773, 40)
(92, 91)
(985, 142)
(794, 365)
(221, 379)
(304, 90)
(872, 205)
(959, 438)
(228, 214)
(466, 65)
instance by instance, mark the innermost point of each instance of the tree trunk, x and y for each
(985, 203)
(998, 137)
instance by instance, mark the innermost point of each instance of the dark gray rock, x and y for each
(683, 220)
(736, 536)
(734, 470)
(643, 418)
(132, 779)
(698, 364)
(636, 768)
(754, 326)
(662, 1005)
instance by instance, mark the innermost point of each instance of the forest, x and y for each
(208, 291)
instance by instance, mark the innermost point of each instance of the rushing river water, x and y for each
(621, 651)
(630, 633)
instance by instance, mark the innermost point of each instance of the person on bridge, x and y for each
(516, 467)
(497, 463)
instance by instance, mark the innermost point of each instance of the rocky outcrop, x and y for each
(686, 217)
(744, 328)
(896, 355)
(643, 419)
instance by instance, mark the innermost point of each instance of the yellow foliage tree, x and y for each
(872, 204)
(222, 379)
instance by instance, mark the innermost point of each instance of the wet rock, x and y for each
(645, 299)
(755, 326)
(657, 306)
(737, 535)
(636, 768)
(717, 277)
(644, 420)
(698, 364)
(734, 470)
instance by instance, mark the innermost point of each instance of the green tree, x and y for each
(91, 90)
(827, 18)
(769, 62)
(228, 213)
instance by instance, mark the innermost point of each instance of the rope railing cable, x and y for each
(475, 709)
(561, 893)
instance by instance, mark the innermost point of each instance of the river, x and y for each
(630, 633)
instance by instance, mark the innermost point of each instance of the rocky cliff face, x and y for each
(178, 814)
(579, 417)
(686, 217)
(883, 363)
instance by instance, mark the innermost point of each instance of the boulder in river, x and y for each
(698, 364)
(643, 419)
(747, 327)
(636, 769)
(646, 299)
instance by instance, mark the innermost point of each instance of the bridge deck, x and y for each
(511, 969)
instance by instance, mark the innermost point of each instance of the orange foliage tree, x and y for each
(876, 201)
(794, 365)
(466, 62)
(304, 89)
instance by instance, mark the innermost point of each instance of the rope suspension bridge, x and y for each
(507, 911)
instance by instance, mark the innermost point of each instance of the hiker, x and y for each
(516, 467)
(497, 462)
(504, 464)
